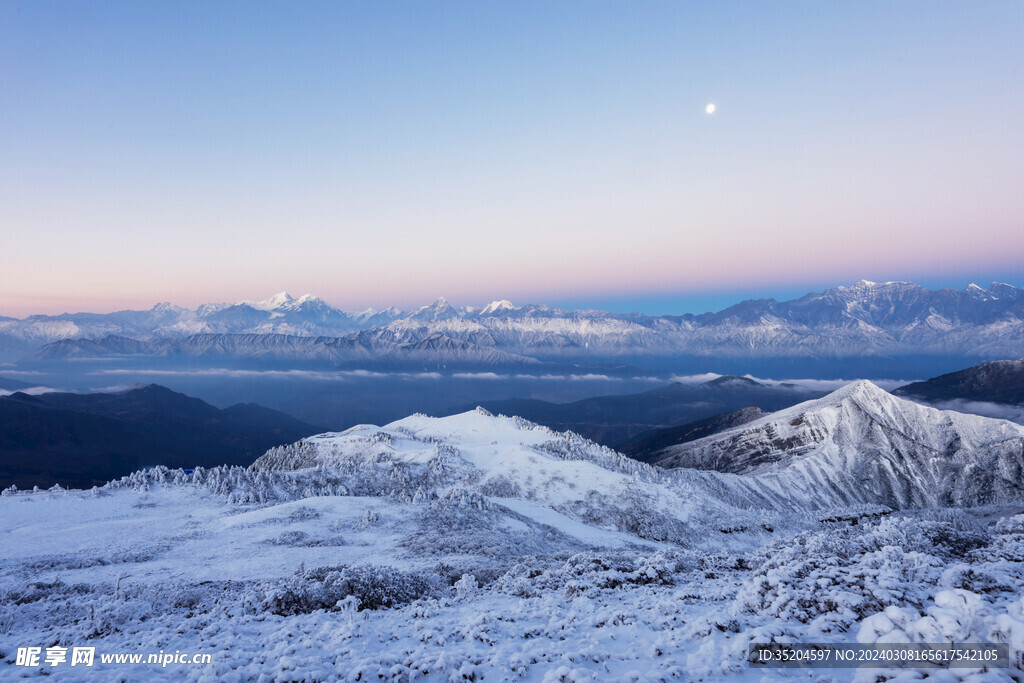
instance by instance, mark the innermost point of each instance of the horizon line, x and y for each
(584, 303)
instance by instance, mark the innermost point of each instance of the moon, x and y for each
(710, 108)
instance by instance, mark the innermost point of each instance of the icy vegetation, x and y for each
(479, 547)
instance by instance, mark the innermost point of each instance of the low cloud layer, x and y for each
(997, 410)
(31, 391)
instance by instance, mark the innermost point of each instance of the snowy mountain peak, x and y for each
(438, 304)
(439, 310)
(861, 388)
(862, 286)
(496, 306)
(277, 301)
(167, 307)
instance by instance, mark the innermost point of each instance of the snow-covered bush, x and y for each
(592, 571)
(947, 533)
(467, 587)
(296, 538)
(976, 579)
(1009, 525)
(501, 487)
(846, 575)
(323, 588)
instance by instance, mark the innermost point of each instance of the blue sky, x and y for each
(387, 153)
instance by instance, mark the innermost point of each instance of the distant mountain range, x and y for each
(81, 440)
(867, 323)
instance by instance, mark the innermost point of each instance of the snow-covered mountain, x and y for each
(279, 314)
(864, 321)
(861, 444)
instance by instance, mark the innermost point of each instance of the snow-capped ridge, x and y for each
(862, 444)
(872, 321)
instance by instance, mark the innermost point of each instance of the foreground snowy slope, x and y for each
(476, 547)
(861, 444)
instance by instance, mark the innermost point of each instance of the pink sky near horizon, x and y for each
(376, 158)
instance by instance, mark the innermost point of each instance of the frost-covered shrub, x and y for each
(945, 533)
(293, 456)
(581, 573)
(1009, 525)
(954, 616)
(295, 538)
(241, 485)
(302, 513)
(976, 580)
(843, 574)
(1009, 628)
(374, 587)
(40, 590)
(954, 532)
(369, 519)
(640, 515)
(466, 588)
(306, 469)
(450, 573)
(610, 570)
(572, 446)
(634, 511)
(501, 487)
(66, 562)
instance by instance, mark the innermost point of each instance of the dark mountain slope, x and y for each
(7, 384)
(1000, 381)
(647, 446)
(79, 440)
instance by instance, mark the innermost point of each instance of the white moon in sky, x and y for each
(710, 109)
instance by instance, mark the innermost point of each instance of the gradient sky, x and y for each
(379, 153)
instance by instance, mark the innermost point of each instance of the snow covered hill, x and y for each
(476, 547)
(532, 470)
(861, 444)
